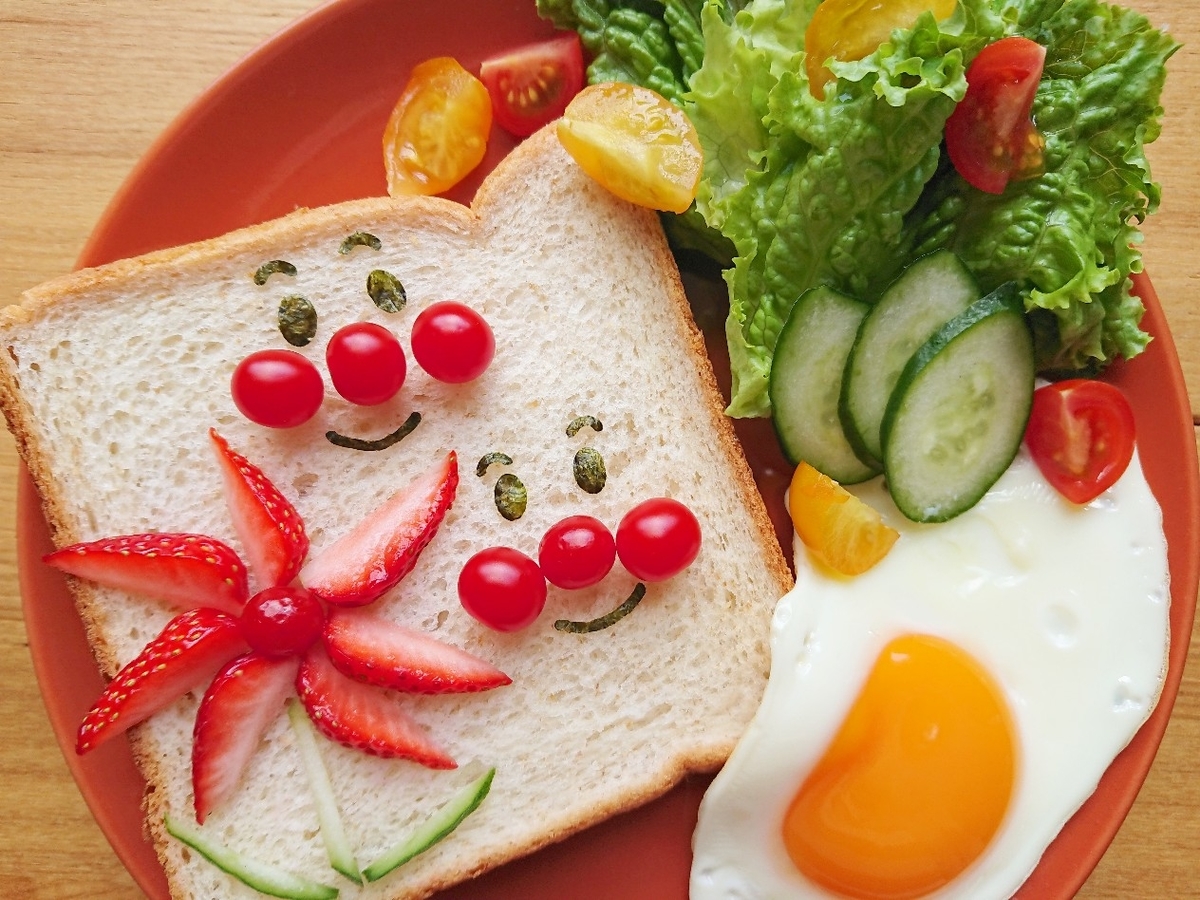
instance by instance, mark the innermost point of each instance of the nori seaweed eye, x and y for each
(511, 496)
(297, 320)
(386, 291)
(359, 239)
(589, 470)
(272, 267)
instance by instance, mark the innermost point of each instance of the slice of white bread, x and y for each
(111, 378)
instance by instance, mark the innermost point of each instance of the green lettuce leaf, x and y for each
(1071, 237)
(816, 192)
(654, 43)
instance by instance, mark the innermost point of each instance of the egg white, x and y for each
(1066, 606)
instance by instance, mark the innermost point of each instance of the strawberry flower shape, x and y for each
(300, 632)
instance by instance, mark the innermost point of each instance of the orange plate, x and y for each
(298, 123)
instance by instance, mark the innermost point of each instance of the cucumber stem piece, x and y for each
(434, 828)
(263, 877)
(333, 833)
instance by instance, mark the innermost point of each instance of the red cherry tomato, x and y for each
(502, 588)
(577, 552)
(532, 85)
(657, 539)
(277, 388)
(452, 342)
(282, 621)
(1081, 436)
(989, 136)
(366, 363)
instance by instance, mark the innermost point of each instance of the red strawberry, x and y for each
(271, 530)
(363, 717)
(193, 646)
(383, 548)
(186, 570)
(374, 650)
(238, 706)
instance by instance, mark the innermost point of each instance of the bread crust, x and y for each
(501, 196)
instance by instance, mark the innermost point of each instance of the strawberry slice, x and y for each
(363, 564)
(363, 717)
(377, 651)
(238, 706)
(192, 647)
(270, 529)
(186, 570)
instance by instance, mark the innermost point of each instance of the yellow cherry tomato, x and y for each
(852, 29)
(840, 530)
(438, 131)
(636, 143)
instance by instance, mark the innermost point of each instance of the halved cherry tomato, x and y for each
(1081, 435)
(852, 29)
(532, 85)
(502, 588)
(636, 143)
(439, 129)
(840, 530)
(277, 388)
(658, 539)
(989, 136)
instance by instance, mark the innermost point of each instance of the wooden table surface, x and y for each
(86, 85)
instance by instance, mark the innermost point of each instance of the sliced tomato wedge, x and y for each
(989, 136)
(635, 143)
(1081, 435)
(532, 85)
(853, 29)
(438, 131)
(839, 529)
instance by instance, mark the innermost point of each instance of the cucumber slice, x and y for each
(329, 818)
(433, 829)
(957, 416)
(928, 294)
(806, 383)
(263, 877)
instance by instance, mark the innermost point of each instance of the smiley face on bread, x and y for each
(112, 379)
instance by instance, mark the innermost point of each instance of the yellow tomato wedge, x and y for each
(438, 131)
(838, 529)
(852, 29)
(634, 142)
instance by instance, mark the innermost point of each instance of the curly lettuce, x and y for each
(655, 44)
(816, 191)
(848, 190)
(1070, 237)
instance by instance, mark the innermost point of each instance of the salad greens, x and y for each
(848, 190)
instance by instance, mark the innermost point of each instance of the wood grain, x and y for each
(86, 86)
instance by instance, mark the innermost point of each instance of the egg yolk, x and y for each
(916, 782)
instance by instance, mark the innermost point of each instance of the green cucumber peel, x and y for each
(958, 414)
(805, 384)
(927, 294)
(263, 877)
(448, 817)
(333, 832)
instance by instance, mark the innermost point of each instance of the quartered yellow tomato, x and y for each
(636, 143)
(838, 529)
(438, 131)
(852, 29)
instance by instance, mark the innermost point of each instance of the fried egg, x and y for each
(930, 725)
